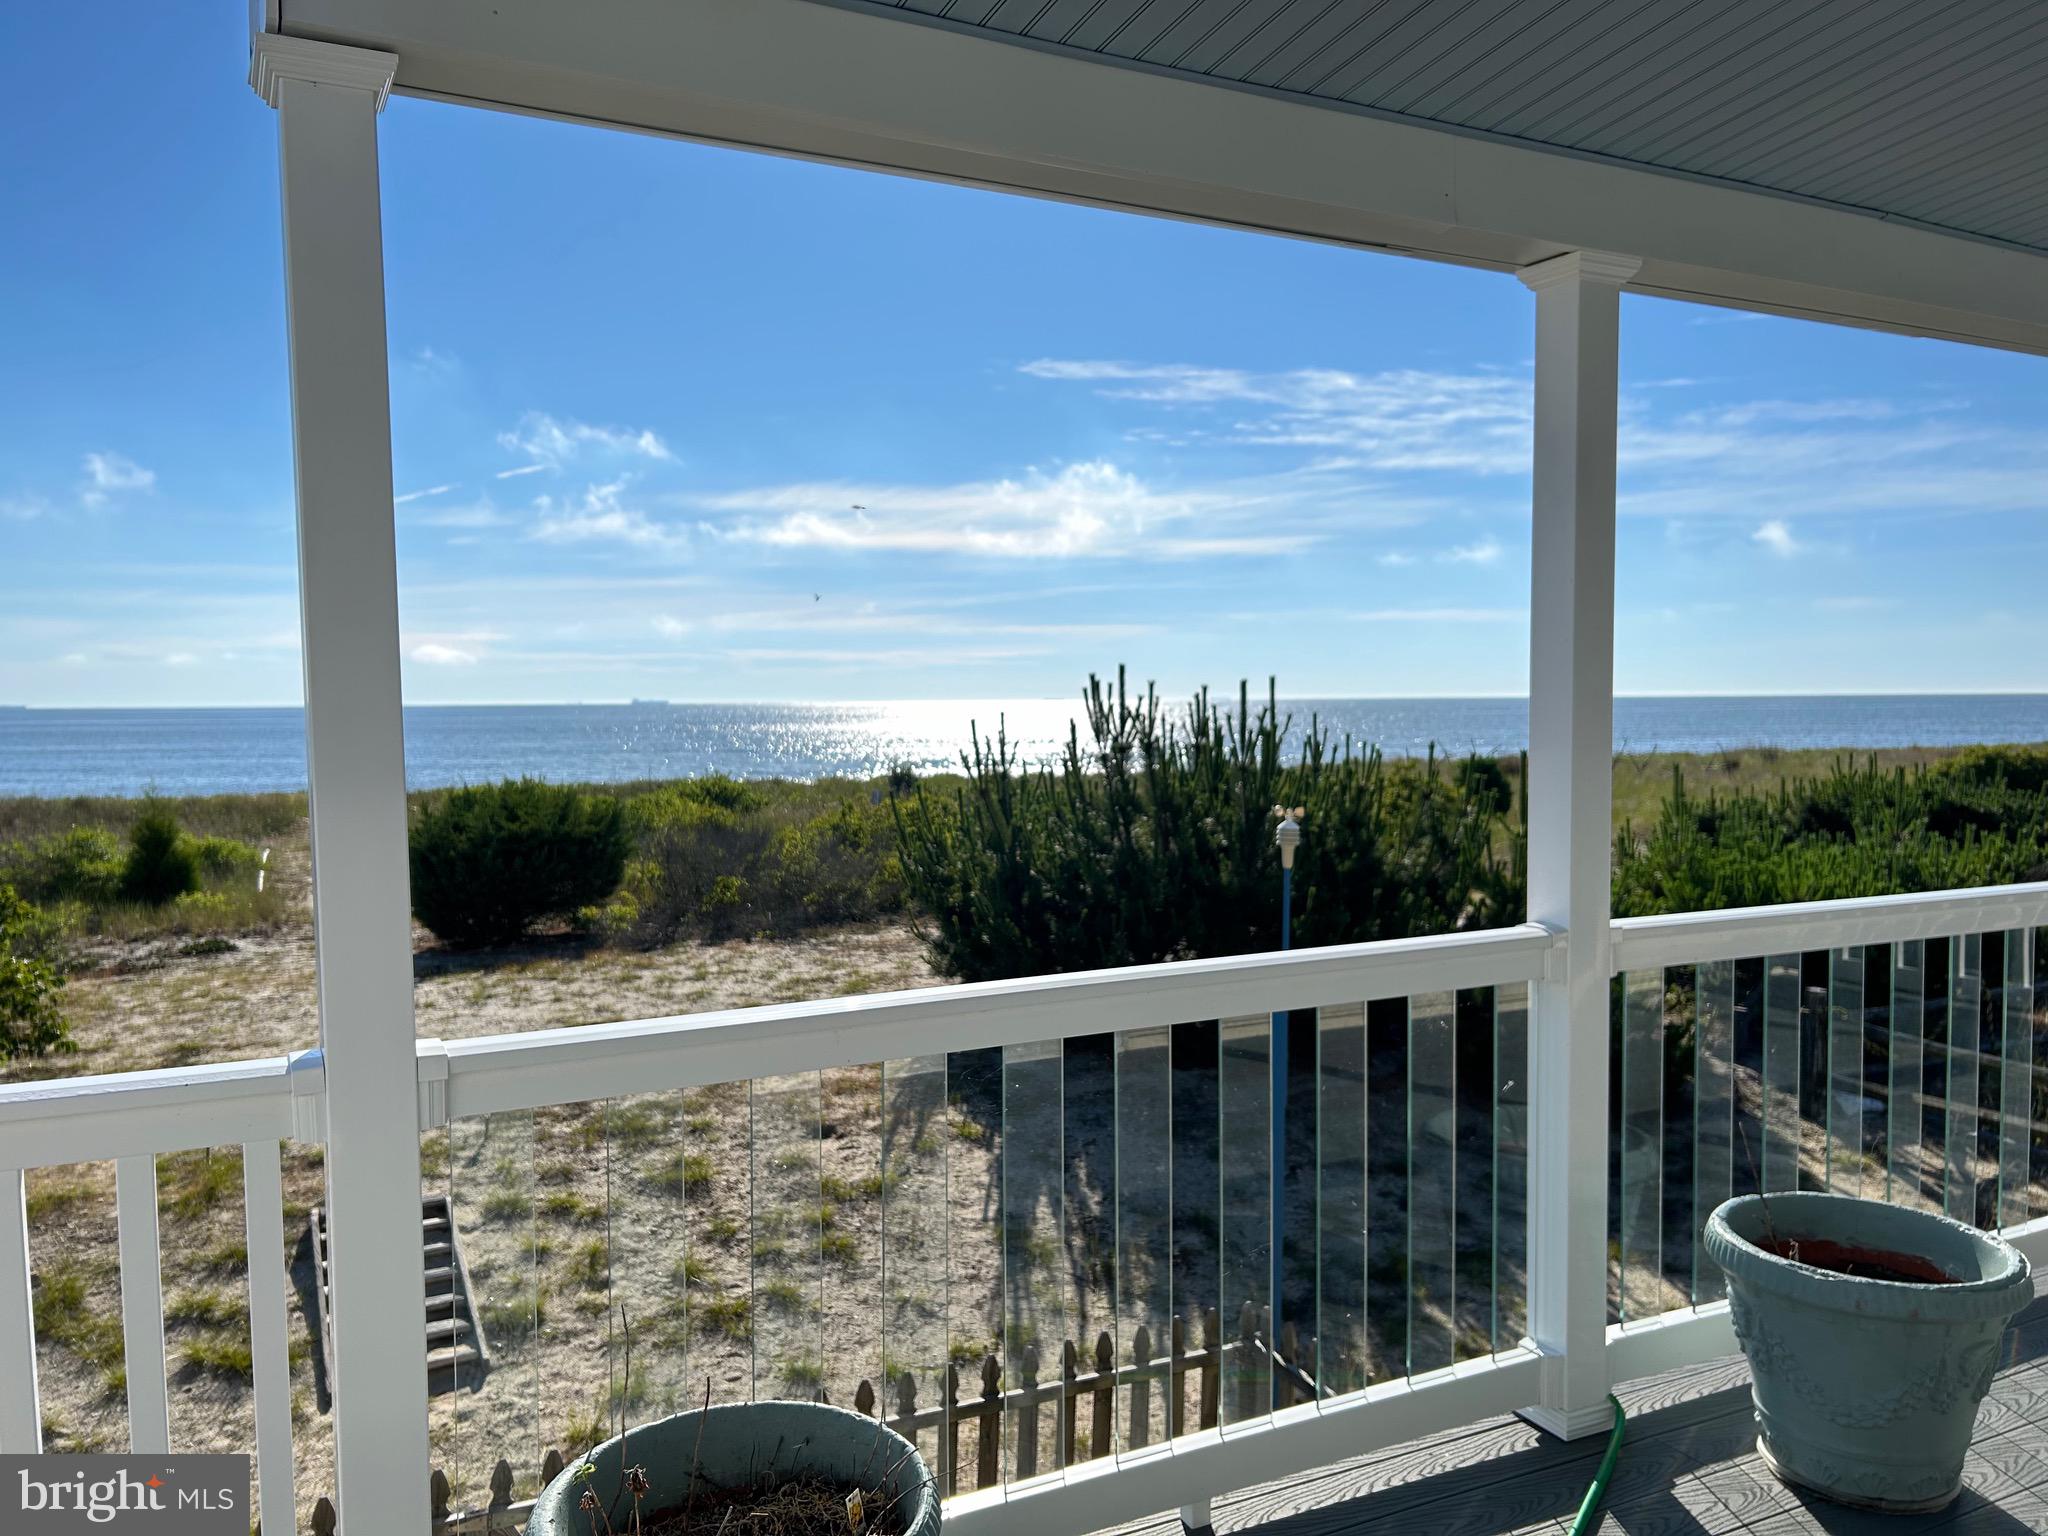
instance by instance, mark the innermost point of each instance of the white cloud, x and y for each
(672, 627)
(180, 659)
(435, 655)
(477, 514)
(1486, 552)
(524, 469)
(106, 473)
(1443, 615)
(1395, 558)
(1775, 536)
(1791, 413)
(823, 656)
(1811, 457)
(432, 490)
(1092, 510)
(551, 443)
(21, 508)
(601, 515)
(1401, 419)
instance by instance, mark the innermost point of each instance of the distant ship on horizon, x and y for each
(649, 703)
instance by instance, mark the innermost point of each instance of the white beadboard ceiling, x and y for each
(1933, 111)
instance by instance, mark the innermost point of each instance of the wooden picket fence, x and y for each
(942, 1429)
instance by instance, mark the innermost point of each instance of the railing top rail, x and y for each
(125, 1114)
(562, 1066)
(1686, 938)
(78, 1119)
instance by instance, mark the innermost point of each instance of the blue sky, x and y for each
(682, 422)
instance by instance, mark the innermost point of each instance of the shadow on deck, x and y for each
(1688, 1468)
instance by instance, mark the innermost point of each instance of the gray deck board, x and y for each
(1688, 1468)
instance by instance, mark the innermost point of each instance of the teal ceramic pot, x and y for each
(1866, 1389)
(739, 1441)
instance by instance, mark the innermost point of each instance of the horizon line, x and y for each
(814, 703)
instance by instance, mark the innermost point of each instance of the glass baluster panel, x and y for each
(1713, 1169)
(572, 1208)
(1814, 1058)
(652, 1263)
(1746, 1170)
(1877, 998)
(1934, 1070)
(491, 1181)
(712, 1162)
(788, 1255)
(1144, 1231)
(1991, 1080)
(1782, 1127)
(1472, 1086)
(1034, 1253)
(1845, 1071)
(1088, 1163)
(1681, 1131)
(2038, 1091)
(1510, 1166)
(1642, 1145)
(1295, 1313)
(2017, 1081)
(1965, 1040)
(1386, 1187)
(1907, 1175)
(1340, 1363)
(974, 1176)
(849, 1229)
(1432, 1180)
(916, 1252)
(1245, 1141)
(1197, 1220)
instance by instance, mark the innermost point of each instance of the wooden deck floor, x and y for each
(1688, 1468)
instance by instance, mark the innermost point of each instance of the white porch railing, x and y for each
(734, 1191)
(132, 1119)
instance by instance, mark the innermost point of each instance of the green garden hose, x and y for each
(1589, 1507)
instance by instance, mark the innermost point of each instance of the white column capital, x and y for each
(1580, 266)
(274, 59)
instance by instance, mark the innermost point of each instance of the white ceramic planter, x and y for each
(738, 1441)
(1866, 1390)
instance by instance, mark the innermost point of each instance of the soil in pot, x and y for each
(1857, 1262)
(802, 1506)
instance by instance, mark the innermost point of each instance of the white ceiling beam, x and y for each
(855, 87)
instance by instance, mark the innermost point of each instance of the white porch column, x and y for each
(327, 99)
(1571, 792)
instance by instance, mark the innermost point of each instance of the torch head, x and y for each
(1287, 835)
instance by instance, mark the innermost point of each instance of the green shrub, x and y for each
(726, 860)
(1980, 818)
(1152, 840)
(223, 858)
(160, 866)
(490, 862)
(31, 1022)
(81, 864)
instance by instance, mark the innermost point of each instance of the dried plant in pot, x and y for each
(1872, 1333)
(764, 1468)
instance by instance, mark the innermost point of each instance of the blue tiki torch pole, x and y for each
(1287, 837)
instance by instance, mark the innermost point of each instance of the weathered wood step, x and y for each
(453, 1337)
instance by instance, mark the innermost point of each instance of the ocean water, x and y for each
(210, 751)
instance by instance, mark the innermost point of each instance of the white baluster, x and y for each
(21, 1424)
(269, 1338)
(142, 1305)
